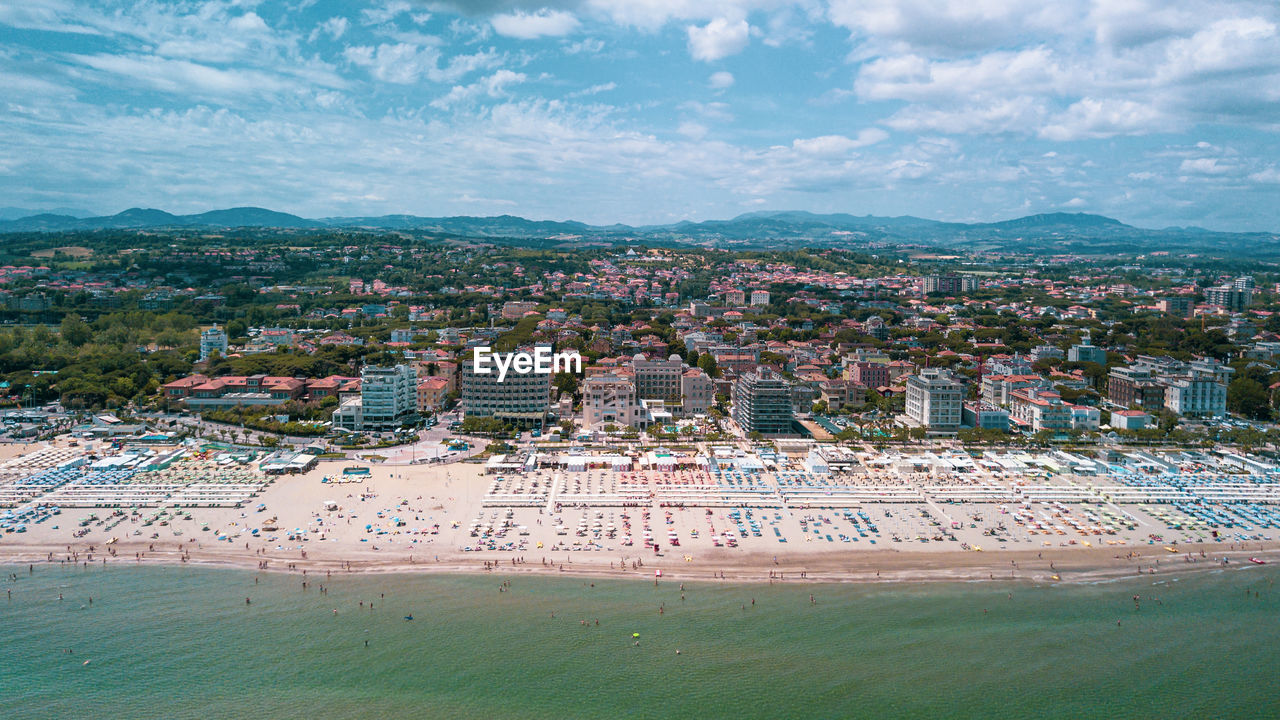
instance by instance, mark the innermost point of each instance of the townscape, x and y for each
(817, 410)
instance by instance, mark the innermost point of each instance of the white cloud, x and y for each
(1205, 166)
(404, 63)
(949, 26)
(530, 26)
(718, 39)
(839, 144)
(1091, 118)
(181, 76)
(1270, 175)
(594, 89)
(493, 86)
(385, 12)
(334, 27)
(692, 130)
(1075, 202)
(720, 80)
(249, 22)
(1017, 115)
(587, 46)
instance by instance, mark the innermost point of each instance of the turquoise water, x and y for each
(180, 642)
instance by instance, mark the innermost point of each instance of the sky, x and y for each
(1155, 112)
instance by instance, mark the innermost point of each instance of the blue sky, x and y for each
(647, 111)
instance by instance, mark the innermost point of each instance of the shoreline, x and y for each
(1053, 567)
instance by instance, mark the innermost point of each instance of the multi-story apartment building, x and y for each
(950, 284)
(934, 400)
(1229, 297)
(1135, 386)
(697, 392)
(1179, 305)
(998, 389)
(868, 374)
(388, 397)
(212, 340)
(1196, 396)
(762, 403)
(516, 309)
(1038, 410)
(658, 379)
(611, 400)
(985, 416)
(1046, 352)
(523, 399)
(759, 297)
(1086, 351)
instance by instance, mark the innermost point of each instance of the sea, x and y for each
(181, 642)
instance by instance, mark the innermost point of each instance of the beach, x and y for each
(463, 517)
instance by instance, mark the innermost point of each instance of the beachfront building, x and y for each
(762, 403)
(658, 379)
(998, 389)
(1129, 387)
(1196, 396)
(212, 340)
(1129, 419)
(934, 400)
(697, 392)
(1038, 410)
(985, 416)
(432, 392)
(611, 400)
(520, 398)
(388, 398)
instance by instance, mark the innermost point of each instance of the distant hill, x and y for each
(1049, 233)
(13, 213)
(138, 218)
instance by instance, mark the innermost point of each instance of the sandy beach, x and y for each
(422, 519)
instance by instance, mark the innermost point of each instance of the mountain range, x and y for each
(1048, 233)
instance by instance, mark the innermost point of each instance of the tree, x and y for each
(707, 362)
(75, 332)
(1248, 398)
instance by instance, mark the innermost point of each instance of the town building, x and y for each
(985, 416)
(762, 403)
(212, 340)
(611, 400)
(658, 379)
(1086, 351)
(697, 392)
(950, 284)
(521, 398)
(1234, 297)
(388, 398)
(934, 400)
